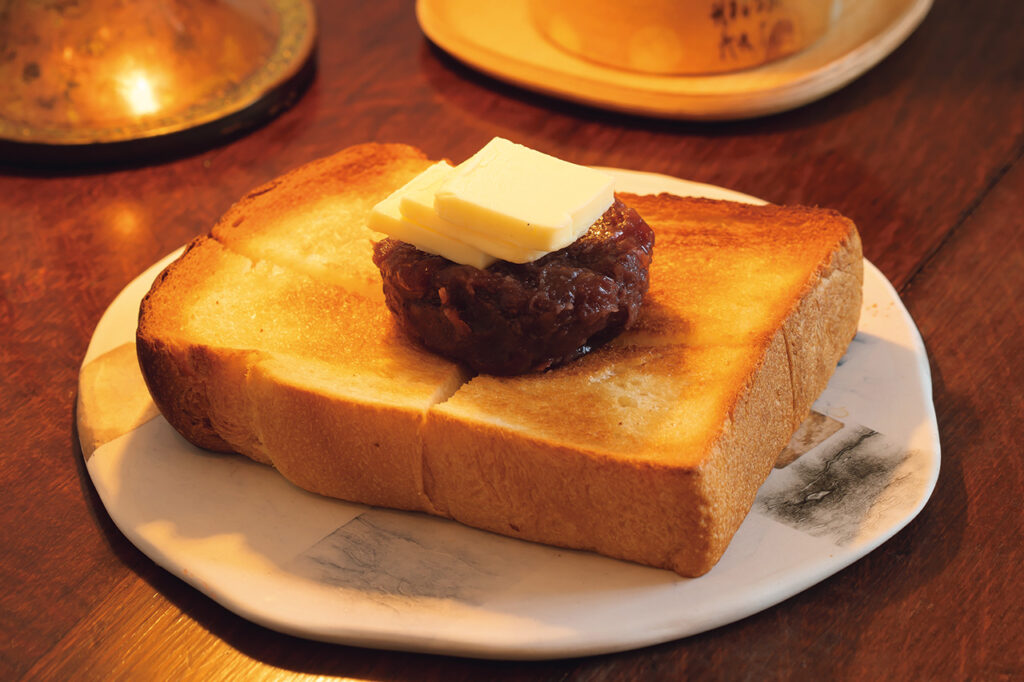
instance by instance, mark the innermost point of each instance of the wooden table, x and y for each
(924, 152)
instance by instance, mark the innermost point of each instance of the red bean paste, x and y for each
(513, 318)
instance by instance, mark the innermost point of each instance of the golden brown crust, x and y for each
(650, 449)
(311, 220)
(256, 359)
(666, 434)
(179, 396)
(185, 373)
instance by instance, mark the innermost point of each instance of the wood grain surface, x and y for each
(924, 152)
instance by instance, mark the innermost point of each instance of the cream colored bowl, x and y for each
(682, 36)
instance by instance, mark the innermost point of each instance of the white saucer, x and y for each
(499, 39)
(338, 572)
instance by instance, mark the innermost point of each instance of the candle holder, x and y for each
(100, 80)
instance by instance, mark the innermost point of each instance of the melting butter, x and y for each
(506, 201)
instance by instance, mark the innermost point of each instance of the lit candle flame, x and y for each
(138, 91)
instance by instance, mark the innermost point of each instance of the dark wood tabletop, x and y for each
(923, 152)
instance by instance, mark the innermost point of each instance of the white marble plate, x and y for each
(328, 570)
(500, 39)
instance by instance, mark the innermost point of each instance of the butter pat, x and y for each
(524, 197)
(506, 201)
(417, 205)
(387, 217)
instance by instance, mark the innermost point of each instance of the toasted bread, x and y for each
(268, 338)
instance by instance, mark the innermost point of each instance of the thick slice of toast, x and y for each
(268, 338)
